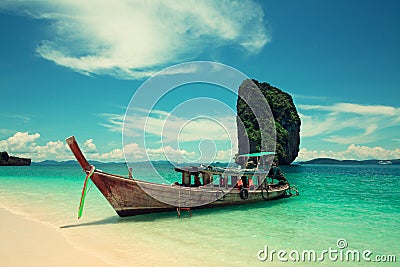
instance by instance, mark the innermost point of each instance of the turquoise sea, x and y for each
(360, 204)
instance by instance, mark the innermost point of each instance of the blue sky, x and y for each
(71, 68)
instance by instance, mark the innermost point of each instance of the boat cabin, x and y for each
(222, 177)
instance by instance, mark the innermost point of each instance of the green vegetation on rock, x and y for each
(287, 122)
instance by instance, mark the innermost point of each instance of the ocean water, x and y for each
(358, 204)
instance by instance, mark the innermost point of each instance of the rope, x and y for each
(90, 187)
(292, 188)
(84, 192)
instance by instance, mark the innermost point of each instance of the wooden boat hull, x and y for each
(128, 197)
(131, 197)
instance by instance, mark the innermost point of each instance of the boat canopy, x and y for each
(258, 154)
(191, 169)
(220, 170)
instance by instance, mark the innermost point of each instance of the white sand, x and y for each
(25, 242)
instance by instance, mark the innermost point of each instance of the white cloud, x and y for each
(113, 155)
(54, 150)
(175, 132)
(352, 152)
(114, 122)
(213, 128)
(134, 152)
(89, 146)
(355, 108)
(226, 155)
(173, 128)
(23, 144)
(345, 140)
(18, 142)
(134, 38)
(361, 122)
(312, 125)
(168, 152)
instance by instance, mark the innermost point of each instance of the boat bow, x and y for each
(73, 145)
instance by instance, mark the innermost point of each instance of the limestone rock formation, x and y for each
(6, 160)
(287, 123)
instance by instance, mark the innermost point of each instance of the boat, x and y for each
(217, 187)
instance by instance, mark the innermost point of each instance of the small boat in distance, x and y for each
(217, 187)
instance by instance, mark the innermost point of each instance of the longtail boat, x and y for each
(217, 187)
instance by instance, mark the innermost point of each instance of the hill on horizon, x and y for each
(352, 162)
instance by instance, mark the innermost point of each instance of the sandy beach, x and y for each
(25, 242)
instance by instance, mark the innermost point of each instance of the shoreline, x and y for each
(32, 243)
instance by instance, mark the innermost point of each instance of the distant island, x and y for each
(66, 162)
(351, 162)
(7, 160)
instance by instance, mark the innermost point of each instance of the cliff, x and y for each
(287, 123)
(6, 160)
